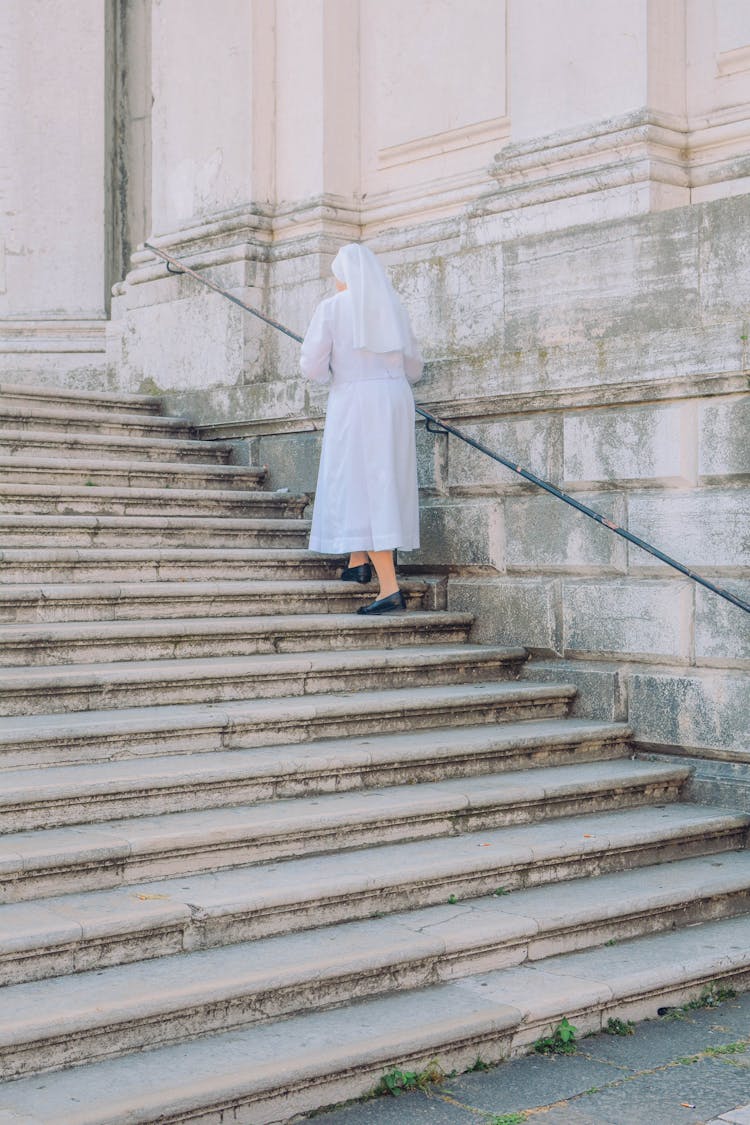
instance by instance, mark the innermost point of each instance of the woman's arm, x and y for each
(315, 357)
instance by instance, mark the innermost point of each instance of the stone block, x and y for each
(724, 437)
(628, 617)
(292, 460)
(723, 277)
(544, 533)
(578, 284)
(534, 443)
(600, 687)
(510, 611)
(708, 528)
(465, 533)
(431, 457)
(698, 710)
(651, 443)
(722, 630)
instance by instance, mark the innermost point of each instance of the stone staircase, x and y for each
(257, 850)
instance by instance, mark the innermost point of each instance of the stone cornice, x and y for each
(484, 408)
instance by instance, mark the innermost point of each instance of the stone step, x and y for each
(181, 638)
(73, 933)
(51, 443)
(28, 397)
(68, 498)
(91, 793)
(27, 532)
(93, 857)
(138, 732)
(98, 601)
(64, 472)
(177, 997)
(276, 1070)
(164, 564)
(122, 422)
(145, 683)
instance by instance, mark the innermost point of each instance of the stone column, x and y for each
(53, 173)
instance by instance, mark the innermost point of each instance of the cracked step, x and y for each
(64, 472)
(92, 499)
(55, 796)
(29, 396)
(176, 997)
(188, 638)
(62, 535)
(123, 423)
(275, 1070)
(92, 564)
(32, 740)
(163, 600)
(51, 443)
(76, 932)
(84, 687)
(109, 854)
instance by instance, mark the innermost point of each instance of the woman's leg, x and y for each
(357, 558)
(386, 572)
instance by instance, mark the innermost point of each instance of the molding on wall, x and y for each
(421, 148)
(490, 407)
(43, 336)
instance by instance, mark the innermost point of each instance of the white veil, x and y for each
(380, 320)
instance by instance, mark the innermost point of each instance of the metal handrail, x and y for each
(437, 426)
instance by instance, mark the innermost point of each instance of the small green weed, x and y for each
(711, 995)
(478, 1064)
(612, 941)
(620, 1027)
(501, 891)
(726, 1049)
(398, 1081)
(452, 900)
(508, 1119)
(562, 1041)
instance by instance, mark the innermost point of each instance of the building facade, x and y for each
(561, 191)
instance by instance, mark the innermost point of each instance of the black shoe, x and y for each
(361, 573)
(391, 604)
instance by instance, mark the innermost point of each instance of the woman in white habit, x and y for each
(366, 501)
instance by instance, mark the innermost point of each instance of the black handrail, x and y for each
(436, 426)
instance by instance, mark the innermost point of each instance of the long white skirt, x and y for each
(367, 497)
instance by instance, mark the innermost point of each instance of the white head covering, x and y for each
(380, 320)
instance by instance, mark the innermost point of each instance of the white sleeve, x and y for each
(315, 357)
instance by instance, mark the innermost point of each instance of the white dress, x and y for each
(366, 498)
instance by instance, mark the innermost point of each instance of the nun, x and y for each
(366, 502)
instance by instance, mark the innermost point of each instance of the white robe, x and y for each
(366, 498)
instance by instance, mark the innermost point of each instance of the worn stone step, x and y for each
(45, 798)
(279, 1069)
(51, 443)
(85, 687)
(99, 601)
(64, 472)
(72, 933)
(29, 396)
(93, 857)
(67, 533)
(123, 422)
(163, 564)
(32, 740)
(177, 997)
(128, 472)
(86, 642)
(69, 498)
